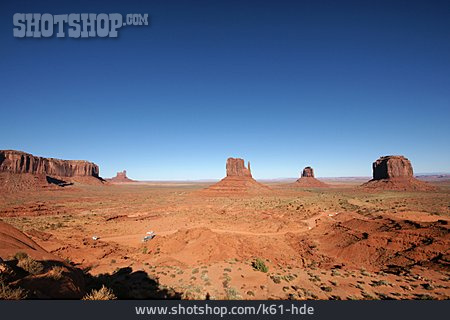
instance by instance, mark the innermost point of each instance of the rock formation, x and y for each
(391, 167)
(24, 168)
(308, 172)
(239, 180)
(236, 167)
(20, 162)
(395, 173)
(308, 180)
(121, 177)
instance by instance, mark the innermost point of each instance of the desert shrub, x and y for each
(259, 265)
(367, 296)
(365, 273)
(423, 297)
(103, 293)
(379, 283)
(233, 294)
(56, 272)
(30, 265)
(9, 293)
(326, 288)
(335, 273)
(275, 278)
(20, 255)
(315, 278)
(427, 286)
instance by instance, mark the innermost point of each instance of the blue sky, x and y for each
(284, 84)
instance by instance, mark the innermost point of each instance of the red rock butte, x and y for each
(121, 177)
(395, 173)
(21, 170)
(238, 180)
(308, 180)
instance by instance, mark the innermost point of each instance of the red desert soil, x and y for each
(332, 243)
(26, 269)
(236, 239)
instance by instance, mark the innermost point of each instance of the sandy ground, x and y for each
(330, 243)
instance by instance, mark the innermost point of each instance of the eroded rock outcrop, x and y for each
(20, 171)
(395, 173)
(239, 180)
(236, 167)
(13, 161)
(308, 172)
(392, 167)
(308, 180)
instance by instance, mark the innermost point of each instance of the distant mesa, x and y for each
(121, 177)
(395, 173)
(21, 170)
(307, 179)
(308, 172)
(239, 180)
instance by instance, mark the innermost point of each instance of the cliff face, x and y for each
(392, 167)
(395, 173)
(20, 162)
(236, 167)
(308, 172)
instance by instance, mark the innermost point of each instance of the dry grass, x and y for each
(9, 293)
(103, 293)
(56, 272)
(30, 265)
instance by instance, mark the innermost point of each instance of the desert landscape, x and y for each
(67, 233)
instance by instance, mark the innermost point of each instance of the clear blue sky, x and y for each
(284, 84)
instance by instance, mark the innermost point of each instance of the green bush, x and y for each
(259, 265)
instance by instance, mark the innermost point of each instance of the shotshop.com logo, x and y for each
(74, 25)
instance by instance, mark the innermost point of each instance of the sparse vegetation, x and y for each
(103, 293)
(9, 293)
(56, 272)
(30, 265)
(259, 265)
(232, 294)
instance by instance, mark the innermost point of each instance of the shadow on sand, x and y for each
(39, 280)
(60, 183)
(127, 284)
